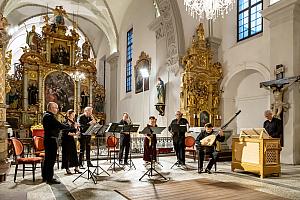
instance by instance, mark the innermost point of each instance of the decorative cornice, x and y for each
(282, 11)
(113, 58)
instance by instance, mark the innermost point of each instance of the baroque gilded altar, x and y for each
(200, 83)
(49, 70)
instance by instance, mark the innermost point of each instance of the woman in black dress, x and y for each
(69, 152)
(150, 142)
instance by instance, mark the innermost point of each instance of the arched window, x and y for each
(129, 61)
(249, 18)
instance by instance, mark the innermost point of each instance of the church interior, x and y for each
(226, 63)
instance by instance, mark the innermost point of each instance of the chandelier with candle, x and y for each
(211, 9)
(78, 76)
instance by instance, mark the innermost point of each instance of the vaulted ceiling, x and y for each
(97, 19)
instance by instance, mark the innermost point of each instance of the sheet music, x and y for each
(92, 129)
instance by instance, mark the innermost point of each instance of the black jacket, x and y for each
(83, 120)
(52, 126)
(274, 127)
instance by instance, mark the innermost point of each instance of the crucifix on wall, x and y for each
(278, 87)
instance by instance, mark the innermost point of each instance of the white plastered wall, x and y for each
(138, 16)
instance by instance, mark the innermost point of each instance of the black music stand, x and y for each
(152, 130)
(100, 134)
(176, 129)
(91, 174)
(114, 128)
(132, 128)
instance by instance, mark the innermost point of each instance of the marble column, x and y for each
(284, 32)
(113, 101)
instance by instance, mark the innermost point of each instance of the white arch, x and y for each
(262, 69)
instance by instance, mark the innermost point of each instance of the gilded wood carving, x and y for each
(200, 81)
(45, 72)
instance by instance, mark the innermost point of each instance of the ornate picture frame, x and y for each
(60, 52)
(144, 61)
(205, 117)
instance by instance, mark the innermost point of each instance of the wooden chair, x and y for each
(111, 144)
(20, 159)
(190, 146)
(39, 149)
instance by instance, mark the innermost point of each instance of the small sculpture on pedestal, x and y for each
(161, 96)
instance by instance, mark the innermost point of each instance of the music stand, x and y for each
(151, 131)
(176, 129)
(114, 128)
(98, 135)
(91, 174)
(132, 128)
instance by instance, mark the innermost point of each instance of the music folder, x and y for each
(176, 128)
(152, 130)
(132, 128)
(114, 128)
(93, 129)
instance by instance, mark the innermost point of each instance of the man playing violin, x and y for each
(51, 127)
(85, 120)
(204, 146)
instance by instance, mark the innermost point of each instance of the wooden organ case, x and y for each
(255, 151)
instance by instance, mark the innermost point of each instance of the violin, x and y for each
(74, 123)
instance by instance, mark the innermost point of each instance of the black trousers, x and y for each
(213, 155)
(85, 145)
(50, 145)
(124, 144)
(179, 147)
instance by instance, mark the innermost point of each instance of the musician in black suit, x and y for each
(85, 120)
(124, 139)
(273, 125)
(51, 130)
(210, 150)
(179, 138)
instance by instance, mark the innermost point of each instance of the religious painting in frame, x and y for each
(60, 52)
(144, 62)
(59, 88)
(204, 118)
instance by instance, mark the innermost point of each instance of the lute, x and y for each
(210, 140)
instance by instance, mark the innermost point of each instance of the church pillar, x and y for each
(4, 165)
(3, 130)
(113, 101)
(284, 18)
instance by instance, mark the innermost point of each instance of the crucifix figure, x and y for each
(278, 87)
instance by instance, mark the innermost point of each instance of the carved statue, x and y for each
(84, 99)
(278, 105)
(3, 22)
(86, 49)
(59, 14)
(161, 91)
(33, 94)
(33, 39)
